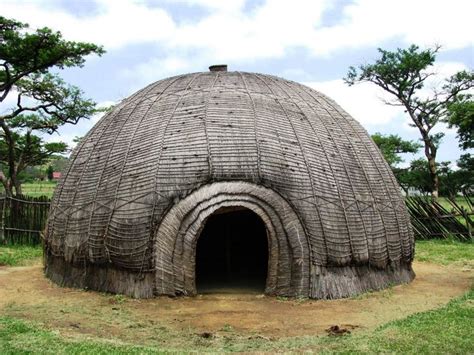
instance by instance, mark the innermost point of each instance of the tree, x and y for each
(416, 177)
(59, 163)
(43, 101)
(452, 182)
(403, 74)
(392, 146)
(28, 150)
(460, 180)
(50, 172)
(21, 148)
(461, 116)
(465, 173)
(449, 180)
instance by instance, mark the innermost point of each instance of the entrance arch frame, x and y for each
(289, 255)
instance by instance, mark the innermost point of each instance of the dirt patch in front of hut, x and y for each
(27, 294)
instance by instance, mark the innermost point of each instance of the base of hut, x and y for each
(348, 281)
(99, 278)
(327, 283)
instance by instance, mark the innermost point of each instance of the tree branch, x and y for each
(8, 83)
(20, 164)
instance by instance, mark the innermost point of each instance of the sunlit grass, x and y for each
(19, 255)
(447, 330)
(445, 252)
(36, 189)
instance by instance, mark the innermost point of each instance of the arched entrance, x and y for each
(232, 253)
(177, 236)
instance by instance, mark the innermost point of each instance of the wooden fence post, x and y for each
(2, 220)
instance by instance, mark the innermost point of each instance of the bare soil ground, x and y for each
(26, 293)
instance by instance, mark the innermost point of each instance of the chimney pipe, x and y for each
(218, 67)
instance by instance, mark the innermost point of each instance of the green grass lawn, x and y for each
(447, 330)
(37, 189)
(41, 188)
(461, 201)
(19, 255)
(445, 252)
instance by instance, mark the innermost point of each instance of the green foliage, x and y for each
(402, 74)
(18, 255)
(59, 163)
(29, 149)
(29, 61)
(27, 56)
(461, 180)
(393, 145)
(416, 176)
(452, 182)
(49, 172)
(461, 116)
(77, 139)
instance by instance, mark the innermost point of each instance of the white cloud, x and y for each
(425, 22)
(116, 24)
(9, 103)
(363, 101)
(218, 5)
(266, 32)
(144, 73)
(442, 71)
(227, 33)
(366, 102)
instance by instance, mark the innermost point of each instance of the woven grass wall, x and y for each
(323, 179)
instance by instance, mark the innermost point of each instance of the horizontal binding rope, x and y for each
(186, 132)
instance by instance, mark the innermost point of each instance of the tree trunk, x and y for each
(11, 181)
(5, 182)
(17, 184)
(430, 152)
(434, 179)
(9, 190)
(7, 185)
(11, 186)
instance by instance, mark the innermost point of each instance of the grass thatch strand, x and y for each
(142, 183)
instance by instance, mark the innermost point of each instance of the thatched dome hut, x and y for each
(241, 173)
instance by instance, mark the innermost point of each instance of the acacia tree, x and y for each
(392, 146)
(42, 100)
(403, 74)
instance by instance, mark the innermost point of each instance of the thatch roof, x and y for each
(316, 167)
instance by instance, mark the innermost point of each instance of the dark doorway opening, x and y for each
(232, 253)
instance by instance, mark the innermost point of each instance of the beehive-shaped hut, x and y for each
(263, 167)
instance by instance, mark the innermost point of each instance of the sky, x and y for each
(309, 41)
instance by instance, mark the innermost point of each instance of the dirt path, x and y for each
(25, 293)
